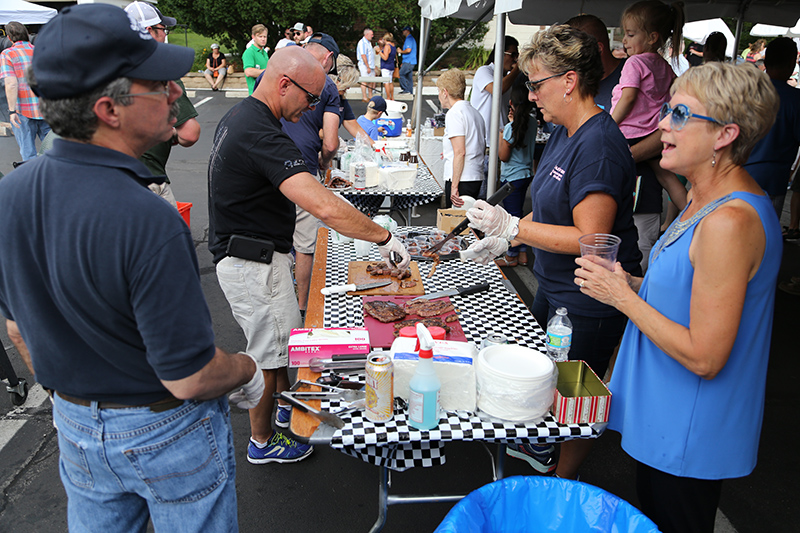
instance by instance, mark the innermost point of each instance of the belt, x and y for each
(165, 404)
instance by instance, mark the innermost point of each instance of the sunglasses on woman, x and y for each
(533, 86)
(681, 115)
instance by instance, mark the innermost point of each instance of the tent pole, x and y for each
(424, 36)
(497, 97)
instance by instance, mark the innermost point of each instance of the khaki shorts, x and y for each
(264, 305)
(305, 231)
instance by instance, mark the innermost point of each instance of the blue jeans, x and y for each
(26, 134)
(120, 467)
(513, 203)
(593, 338)
(406, 77)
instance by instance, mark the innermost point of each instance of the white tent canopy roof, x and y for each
(699, 30)
(546, 12)
(766, 30)
(24, 12)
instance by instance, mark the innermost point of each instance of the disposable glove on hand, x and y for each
(250, 394)
(485, 250)
(492, 220)
(395, 245)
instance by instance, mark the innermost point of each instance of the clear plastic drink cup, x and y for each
(602, 248)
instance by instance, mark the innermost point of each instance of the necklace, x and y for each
(580, 122)
(679, 227)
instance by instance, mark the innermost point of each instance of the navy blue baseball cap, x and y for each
(327, 41)
(86, 46)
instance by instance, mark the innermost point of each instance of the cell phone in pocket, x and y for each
(251, 248)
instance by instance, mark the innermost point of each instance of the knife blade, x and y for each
(352, 287)
(494, 199)
(458, 291)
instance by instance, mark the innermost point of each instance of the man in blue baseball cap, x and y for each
(102, 290)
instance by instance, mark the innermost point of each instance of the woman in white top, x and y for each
(464, 140)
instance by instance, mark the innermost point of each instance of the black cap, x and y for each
(87, 46)
(327, 41)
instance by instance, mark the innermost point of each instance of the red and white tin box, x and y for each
(580, 396)
(305, 343)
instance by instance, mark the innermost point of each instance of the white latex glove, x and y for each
(250, 394)
(485, 250)
(395, 246)
(492, 220)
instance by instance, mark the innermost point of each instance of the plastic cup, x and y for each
(602, 248)
(362, 247)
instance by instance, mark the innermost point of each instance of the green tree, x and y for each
(230, 21)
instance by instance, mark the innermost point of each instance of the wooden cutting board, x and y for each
(357, 273)
(381, 334)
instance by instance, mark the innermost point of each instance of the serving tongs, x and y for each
(494, 199)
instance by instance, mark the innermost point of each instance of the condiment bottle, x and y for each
(424, 387)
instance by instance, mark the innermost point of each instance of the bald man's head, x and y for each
(291, 74)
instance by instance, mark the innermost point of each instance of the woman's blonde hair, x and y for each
(741, 95)
(347, 73)
(388, 37)
(454, 82)
(561, 49)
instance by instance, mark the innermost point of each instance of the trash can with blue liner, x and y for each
(533, 503)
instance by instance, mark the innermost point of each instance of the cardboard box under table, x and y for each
(448, 219)
(580, 397)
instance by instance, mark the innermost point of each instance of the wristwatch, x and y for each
(12, 112)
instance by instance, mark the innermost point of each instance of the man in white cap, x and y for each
(186, 131)
(102, 292)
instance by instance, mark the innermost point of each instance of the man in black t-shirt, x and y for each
(256, 177)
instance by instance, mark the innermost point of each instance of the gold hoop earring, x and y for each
(714, 159)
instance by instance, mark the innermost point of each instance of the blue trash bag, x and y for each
(533, 503)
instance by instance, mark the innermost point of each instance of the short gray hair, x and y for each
(74, 118)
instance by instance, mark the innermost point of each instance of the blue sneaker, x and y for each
(283, 416)
(279, 449)
(539, 457)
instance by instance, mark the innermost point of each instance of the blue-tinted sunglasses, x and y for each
(681, 115)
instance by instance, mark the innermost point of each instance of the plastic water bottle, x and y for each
(559, 335)
(423, 405)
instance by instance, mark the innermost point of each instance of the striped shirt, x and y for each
(14, 62)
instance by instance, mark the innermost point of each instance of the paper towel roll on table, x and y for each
(395, 109)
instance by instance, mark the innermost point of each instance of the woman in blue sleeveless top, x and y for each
(388, 53)
(688, 385)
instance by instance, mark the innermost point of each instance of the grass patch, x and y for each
(201, 46)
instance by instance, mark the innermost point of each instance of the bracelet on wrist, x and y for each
(12, 112)
(386, 240)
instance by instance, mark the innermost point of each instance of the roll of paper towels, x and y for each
(395, 109)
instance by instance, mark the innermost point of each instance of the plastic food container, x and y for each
(515, 383)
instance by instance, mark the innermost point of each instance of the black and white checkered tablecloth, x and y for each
(395, 444)
(424, 191)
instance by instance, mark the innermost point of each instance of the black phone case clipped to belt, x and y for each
(251, 248)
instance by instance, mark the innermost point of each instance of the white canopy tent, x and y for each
(24, 12)
(541, 12)
(767, 30)
(699, 30)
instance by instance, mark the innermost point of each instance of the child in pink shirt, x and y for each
(646, 78)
